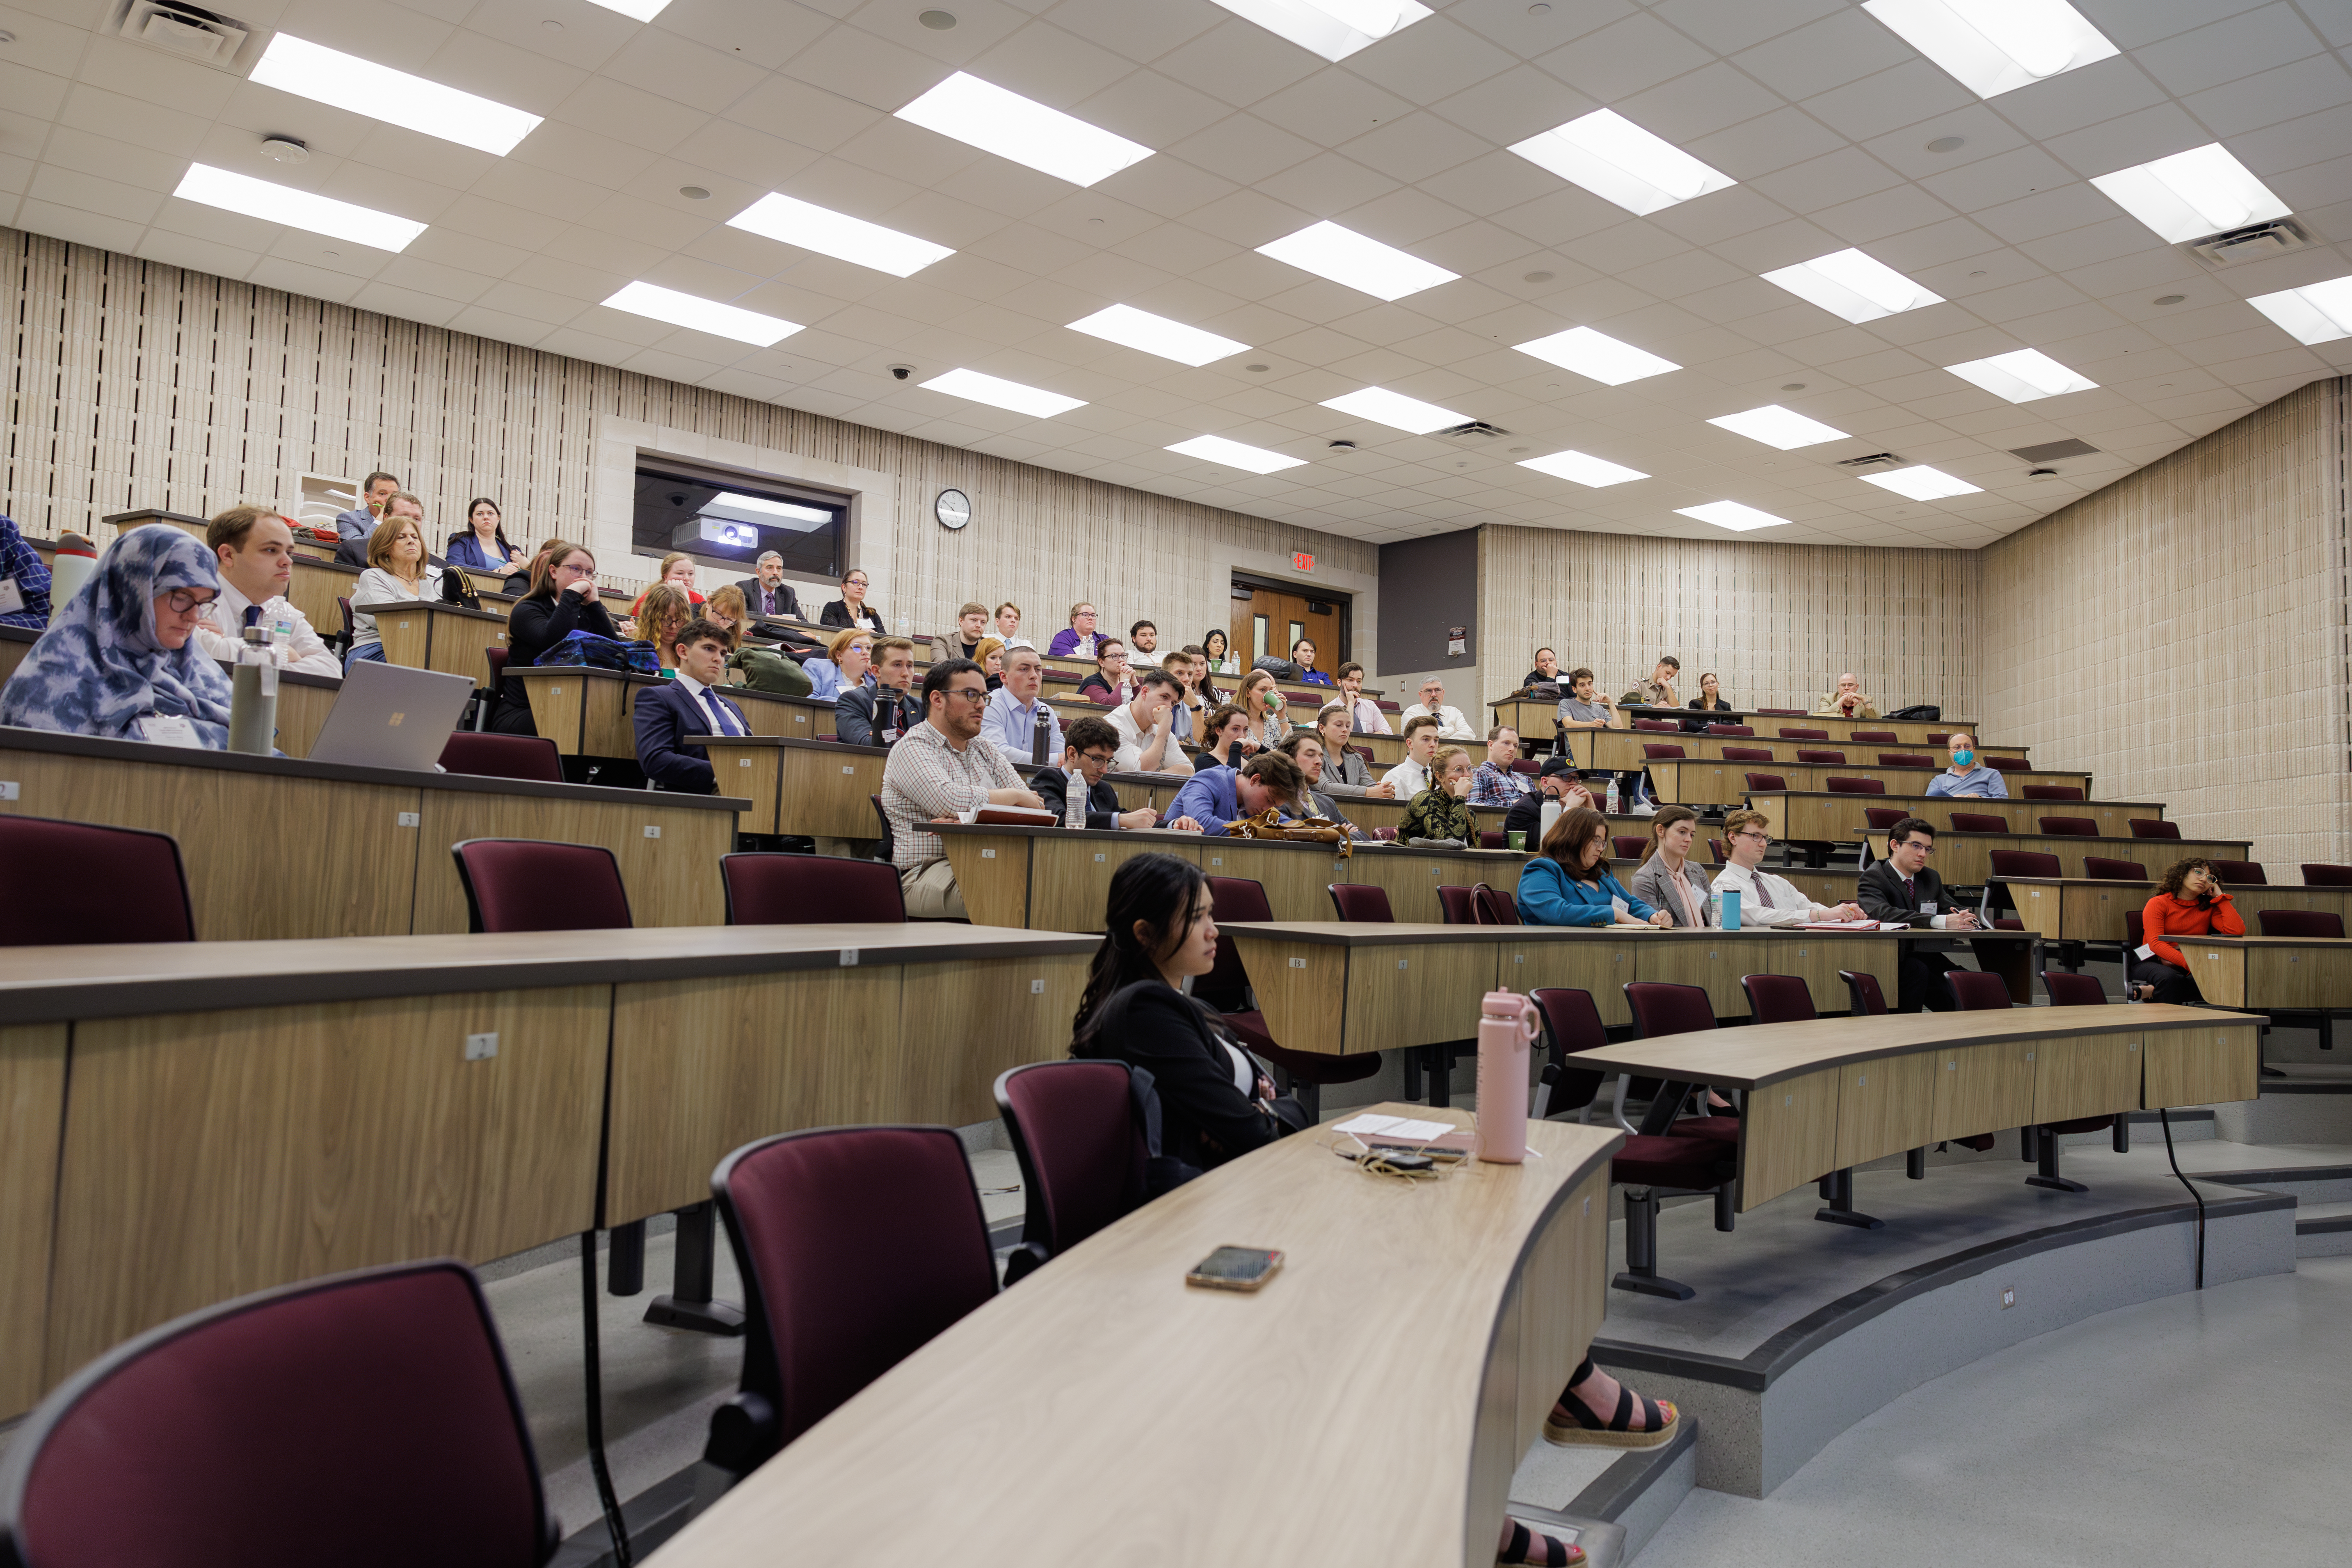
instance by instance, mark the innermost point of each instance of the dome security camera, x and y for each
(901, 372)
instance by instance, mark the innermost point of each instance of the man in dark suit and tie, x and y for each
(691, 704)
(1901, 889)
(768, 594)
(878, 715)
(1092, 743)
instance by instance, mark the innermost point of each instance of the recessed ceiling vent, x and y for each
(190, 32)
(1477, 429)
(1875, 461)
(2256, 243)
(2050, 451)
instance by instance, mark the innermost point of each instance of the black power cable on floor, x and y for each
(615, 1524)
(2166, 1117)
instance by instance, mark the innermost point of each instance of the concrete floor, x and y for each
(2198, 1429)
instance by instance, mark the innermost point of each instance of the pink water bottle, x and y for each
(1505, 1031)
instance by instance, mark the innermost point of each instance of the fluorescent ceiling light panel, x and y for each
(2191, 194)
(1618, 161)
(767, 508)
(1597, 355)
(295, 209)
(643, 10)
(2023, 376)
(1234, 455)
(1777, 427)
(997, 393)
(1849, 284)
(1155, 335)
(1921, 482)
(346, 81)
(1732, 515)
(2314, 313)
(1584, 468)
(1397, 411)
(1363, 264)
(984, 115)
(1995, 45)
(657, 303)
(1332, 28)
(838, 234)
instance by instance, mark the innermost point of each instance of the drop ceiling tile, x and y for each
(2119, 236)
(1051, 65)
(1430, 60)
(1898, 96)
(1515, 105)
(314, 282)
(1236, 63)
(1331, 106)
(1327, 185)
(1619, 61)
(1783, 244)
(121, 120)
(802, 114)
(2224, 51)
(407, 304)
(197, 254)
(494, 69)
(38, 94)
(2304, 87)
(397, 36)
(1139, 32)
(2046, 212)
(72, 151)
(2294, 144)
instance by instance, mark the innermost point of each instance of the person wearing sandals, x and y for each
(1217, 1103)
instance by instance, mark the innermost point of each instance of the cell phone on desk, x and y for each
(1235, 1268)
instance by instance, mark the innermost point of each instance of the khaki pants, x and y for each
(931, 893)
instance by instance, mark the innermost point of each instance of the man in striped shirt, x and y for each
(937, 772)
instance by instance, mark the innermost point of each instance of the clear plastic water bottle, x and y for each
(1613, 795)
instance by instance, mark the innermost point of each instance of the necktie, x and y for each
(1910, 896)
(1763, 892)
(768, 601)
(720, 721)
(253, 614)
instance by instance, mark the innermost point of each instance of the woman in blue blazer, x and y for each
(1569, 882)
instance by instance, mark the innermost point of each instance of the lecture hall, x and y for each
(1214, 783)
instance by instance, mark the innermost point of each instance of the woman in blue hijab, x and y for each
(118, 661)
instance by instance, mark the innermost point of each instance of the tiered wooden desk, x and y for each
(1532, 717)
(2081, 909)
(423, 634)
(1102, 1396)
(2270, 974)
(303, 700)
(276, 847)
(1966, 858)
(1704, 781)
(1838, 819)
(1840, 1092)
(589, 713)
(819, 789)
(182, 1122)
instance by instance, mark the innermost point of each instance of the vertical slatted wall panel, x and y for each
(126, 383)
(2183, 633)
(1777, 623)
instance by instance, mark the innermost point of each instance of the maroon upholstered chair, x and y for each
(1715, 848)
(1979, 822)
(1778, 998)
(2050, 792)
(1888, 736)
(2068, 827)
(1905, 760)
(1073, 1128)
(1766, 783)
(1454, 903)
(1226, 987)
(1628, 845)
(78, 883)
(2135, 929)
(527, 884)
(372, 1409)
(1882, 817)
(1361, 901)
(1493, 908)
(1571, 1026)
(1493, 838)
(1668, 725)
(2316, 875)
(1862, 989)
(1660, 751)
(765, 889)
(490, 755)
(2026, 863)
(2146, 828)
(1527, 765)
(1814, 755)
(1854, 787)
(2101, 870)
(2241, 873)
(857, 1244)
(2009, 764)
(1782, 712)
(1978, 991)
(1799, 733)
(2301, 922)
(496, 658)
(1747, 753)
(1661, 1009)
(2074, 990)
(1935, 738)
(1731, 728)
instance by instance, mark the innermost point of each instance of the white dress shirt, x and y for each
(378, 587)
(1789, 907)
(1410, 778)
(221, 632)
(1132, 738)
(1450, 721)
(717, 711)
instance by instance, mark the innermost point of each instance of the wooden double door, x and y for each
(1271, 621)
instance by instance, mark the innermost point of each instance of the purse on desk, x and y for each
(1268, 824)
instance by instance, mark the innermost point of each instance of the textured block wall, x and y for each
(2182, 634)
(126, 383)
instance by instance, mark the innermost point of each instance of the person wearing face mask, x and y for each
(1967, 778)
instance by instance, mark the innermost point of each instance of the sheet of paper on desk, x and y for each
(1395, 1127)
(1848, 925)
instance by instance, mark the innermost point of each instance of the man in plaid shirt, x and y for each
(940, 769)
(1495, 783)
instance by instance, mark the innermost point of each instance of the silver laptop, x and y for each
(388, 716)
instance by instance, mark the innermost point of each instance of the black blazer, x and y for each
(788, 604)
(1880, 894)
(534, 626)
(837, 615)
(1053, 787)
(1526, 815)
(861, 711)
(662, 713)
(1204, 1120)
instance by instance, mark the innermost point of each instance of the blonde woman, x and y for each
(396, 571)
(727, 611)
(1269, 721)
(1442, 810)
(663, 610)
(676, 571)
(847, 658)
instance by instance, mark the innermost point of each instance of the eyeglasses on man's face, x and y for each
(1095, 759)
(969, 693)
(1756, 837)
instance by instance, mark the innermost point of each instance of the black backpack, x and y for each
(1919, 713)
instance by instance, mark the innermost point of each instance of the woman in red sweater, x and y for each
(2188, 902)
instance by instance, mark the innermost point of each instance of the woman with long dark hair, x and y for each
(1220, 650)
(562, 600)
(1568, 883)
(482, 545)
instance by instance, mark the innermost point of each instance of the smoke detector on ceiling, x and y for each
(1477, 429)
(285, 150)
(190, 32)
(2257, 242)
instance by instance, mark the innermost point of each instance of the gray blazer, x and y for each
(1347, 774)
(1649, 885)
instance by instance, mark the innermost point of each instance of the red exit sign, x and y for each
(1302, 561)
